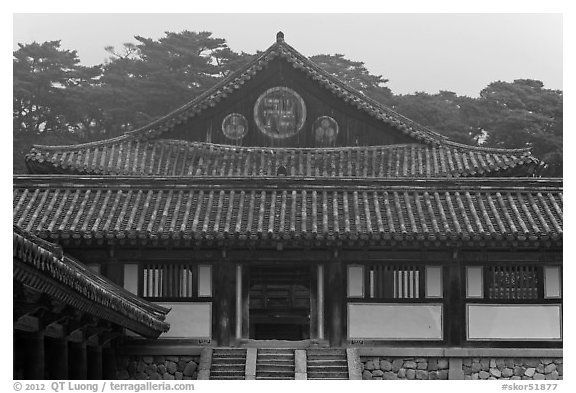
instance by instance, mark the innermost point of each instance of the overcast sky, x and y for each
(416, 52)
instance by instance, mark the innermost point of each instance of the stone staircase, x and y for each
(275, 363)
(228, 363)
(327, 363)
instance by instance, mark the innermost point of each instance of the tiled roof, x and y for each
(43, 265)
(223, 211)
(181, 158)
(137, 152)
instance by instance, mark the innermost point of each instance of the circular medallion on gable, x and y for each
(235, 126)
(325, 130)
(280, 112)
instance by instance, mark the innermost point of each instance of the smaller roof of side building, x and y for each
(239, 210)
(143, 152)
(43, 266)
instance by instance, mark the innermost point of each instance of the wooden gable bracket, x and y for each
(28, 323)
(57, 329)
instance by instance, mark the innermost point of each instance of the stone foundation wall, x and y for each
(157, 367)
(404, 368)
(512, 368)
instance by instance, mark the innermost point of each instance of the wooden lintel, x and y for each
(55, 330)
(77, 336)
(27, 323)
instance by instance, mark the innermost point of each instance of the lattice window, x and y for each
(513, 282)
(395, 282)
(173, 280)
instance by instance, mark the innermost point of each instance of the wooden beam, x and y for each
(55, 330)
(28, 323)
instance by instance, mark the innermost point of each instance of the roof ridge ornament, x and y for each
(279, 37)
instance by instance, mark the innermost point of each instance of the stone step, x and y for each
(223, 373)
(220, 361)
(274, 368)
(318, 379)
(327, 351)
(229, 351)
(276, 374)
(230, 377)
(327, 370)
(275, 351)
(274, 364)
(274, 378)
(325, 356)
(230, 367)
(327, 375)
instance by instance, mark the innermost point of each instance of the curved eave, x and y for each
(42, 265)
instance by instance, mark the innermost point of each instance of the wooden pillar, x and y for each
(224, 303)
(313, 303)
(78, 361)
(335, 299)
(239, 291)
(94, 355)
(57, 357)
(108, 363)
(454, 292)
(320, 305)
(34, 362)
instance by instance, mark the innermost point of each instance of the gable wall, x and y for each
(356, 128)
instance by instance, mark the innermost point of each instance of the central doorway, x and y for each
(279, 302)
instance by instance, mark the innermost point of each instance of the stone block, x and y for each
(422, 365)
(171, 367)
(500, 364)
(410, 364)
(433, 375)
(443, 374)
(560, 368)
(397, 364)
(377, 378)
(366, 375)
(178, 375)
(148, 359)
(547, 361)
(539, 376)
(433, 364)
(495, 372)
(530, 371)
(172, 359)
(509, 362)
(485, 363)
(421, 374)
(507, 372)
(540, 368)
(531, 362)
(385, 365)
(369, 365)
(161, 369)
(492, 378)
(474, 376)
(377, 373)
(150, 369)
(389, 375)
(466, 362)
(553, 376)
(442, 364)
(155, 376)
(467, 377)
(524, 378)
(168, 376)
(402, 373)
(191, 366)
(376, 362)
(549, 368)
(476, 367)
(483, 374)
(519, 370)
(492, 363)
(181, 364)
(516, 378)
(410, 373)
(558, 361)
